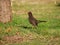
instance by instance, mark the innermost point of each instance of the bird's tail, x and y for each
(41, 21)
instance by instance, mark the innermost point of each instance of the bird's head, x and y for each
(30, 13)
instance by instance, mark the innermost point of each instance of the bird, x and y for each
(33, 21)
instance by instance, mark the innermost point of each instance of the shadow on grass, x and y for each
(25, 27)
(31, 29)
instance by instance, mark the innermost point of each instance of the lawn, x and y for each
(21, 32)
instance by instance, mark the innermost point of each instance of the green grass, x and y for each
(46, 33)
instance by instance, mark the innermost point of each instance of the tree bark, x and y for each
(5, 11)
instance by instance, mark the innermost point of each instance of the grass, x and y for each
(46, 33)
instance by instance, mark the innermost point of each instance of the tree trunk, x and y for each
(5, 11)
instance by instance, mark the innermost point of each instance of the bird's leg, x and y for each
(34, 27)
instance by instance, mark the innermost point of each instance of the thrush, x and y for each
(33, 20)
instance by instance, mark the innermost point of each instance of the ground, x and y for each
(20, 31)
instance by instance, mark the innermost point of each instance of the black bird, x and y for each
(32, 20)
